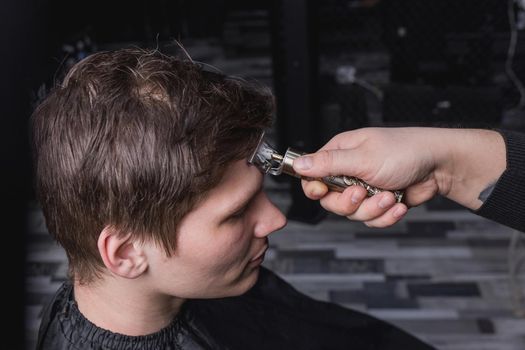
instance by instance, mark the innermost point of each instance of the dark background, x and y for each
(414, 62)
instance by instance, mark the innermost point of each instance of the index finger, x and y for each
(347, 139)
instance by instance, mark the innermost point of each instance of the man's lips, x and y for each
(261, 253)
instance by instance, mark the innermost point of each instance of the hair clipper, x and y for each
(269, 161)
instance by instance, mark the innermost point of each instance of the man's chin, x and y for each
(241, 285)
(247, 281)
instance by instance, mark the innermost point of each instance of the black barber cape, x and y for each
(272, 315)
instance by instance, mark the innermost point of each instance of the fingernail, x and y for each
(399, 211)
(386, 201)
(303, 163)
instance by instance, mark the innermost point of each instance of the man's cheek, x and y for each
(233, 257)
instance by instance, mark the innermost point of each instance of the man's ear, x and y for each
(122, 255)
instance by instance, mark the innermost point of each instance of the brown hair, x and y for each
(133, 139)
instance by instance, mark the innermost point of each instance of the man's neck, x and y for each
(125, 306)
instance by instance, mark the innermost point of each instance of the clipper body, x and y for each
(269, 161)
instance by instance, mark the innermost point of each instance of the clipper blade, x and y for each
(264, 156)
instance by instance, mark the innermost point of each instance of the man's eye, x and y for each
(239, 214)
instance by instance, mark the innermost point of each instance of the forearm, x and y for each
(468, 163)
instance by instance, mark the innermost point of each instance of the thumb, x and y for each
(327, 162)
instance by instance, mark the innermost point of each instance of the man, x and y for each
(142, 175)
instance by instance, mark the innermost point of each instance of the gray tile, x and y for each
(485, 326)
(430, 228)
(465, 289)
(509, 326)
(442, 267)
(479, 342)
(411, 314)
(477, 306)
(440, 326)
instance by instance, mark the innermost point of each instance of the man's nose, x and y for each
(270, 218)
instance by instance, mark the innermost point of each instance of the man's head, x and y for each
(132, 142)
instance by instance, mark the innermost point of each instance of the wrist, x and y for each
(467, 163)
(441, 145)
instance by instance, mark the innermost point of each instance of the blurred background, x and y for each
(452, 278)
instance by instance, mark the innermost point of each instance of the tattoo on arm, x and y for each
(486, 192)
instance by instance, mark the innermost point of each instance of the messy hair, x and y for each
(133, 139)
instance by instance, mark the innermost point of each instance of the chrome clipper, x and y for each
(269, 161)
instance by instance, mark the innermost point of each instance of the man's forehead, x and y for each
(241, 171)
(240, 182)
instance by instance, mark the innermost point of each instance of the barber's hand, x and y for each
(388, 158)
